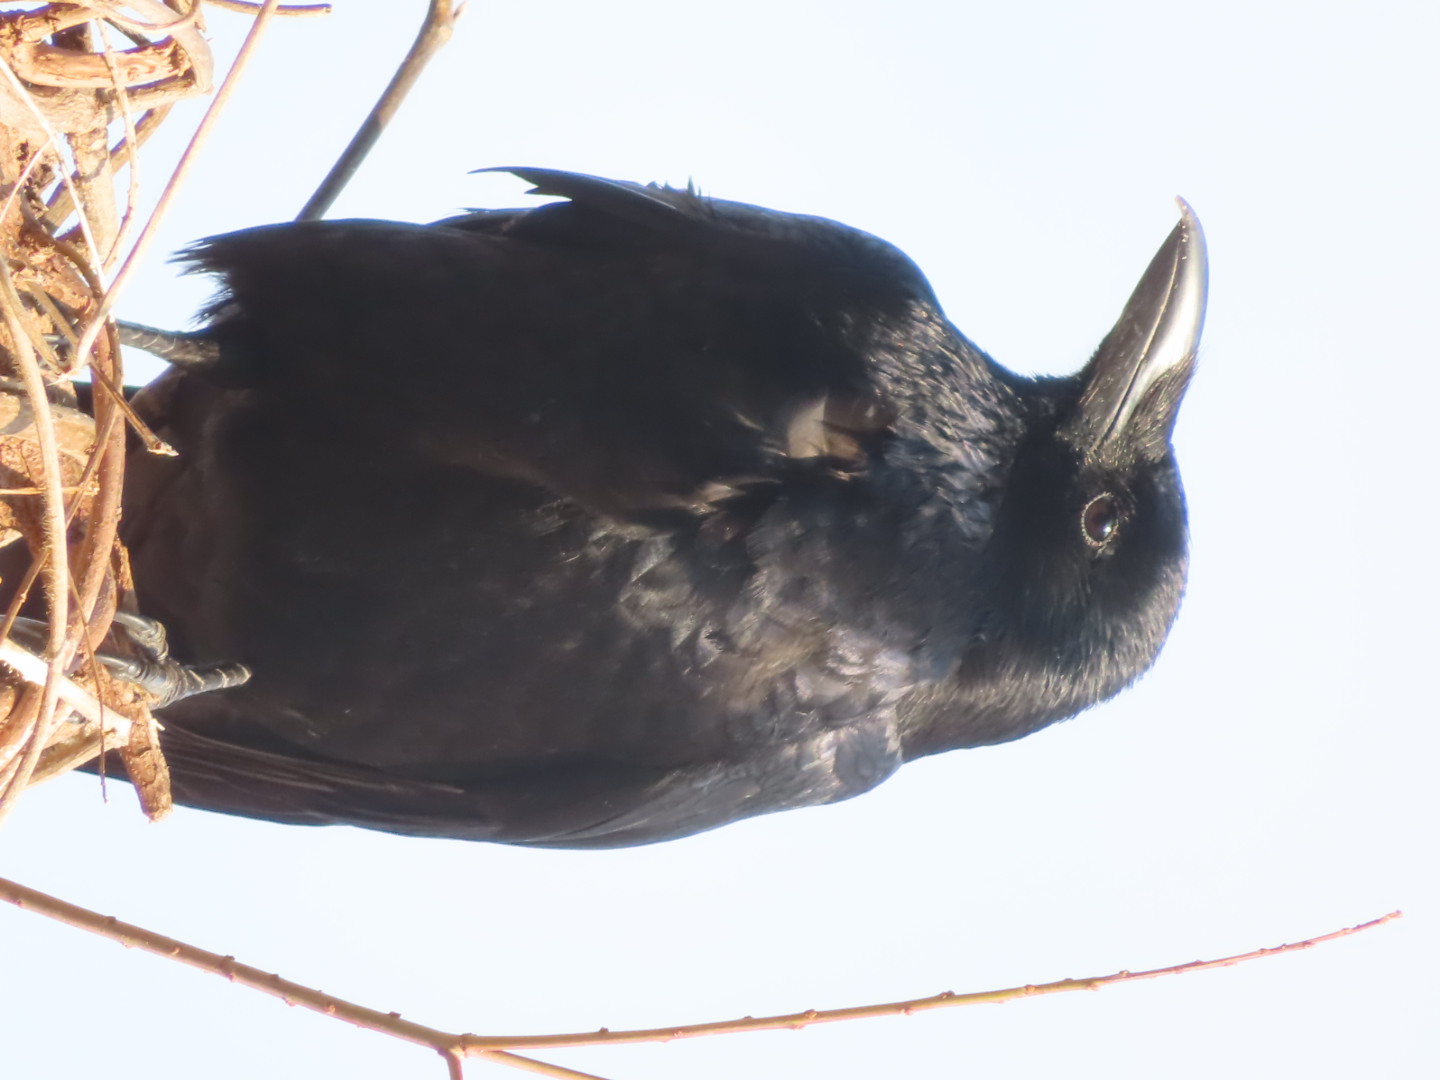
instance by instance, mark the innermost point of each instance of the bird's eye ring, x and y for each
(1100, 520)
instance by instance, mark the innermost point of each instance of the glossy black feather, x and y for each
(619, 519)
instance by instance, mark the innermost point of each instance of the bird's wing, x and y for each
(633, 348)
(582, 804)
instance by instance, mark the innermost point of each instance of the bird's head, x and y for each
(1088, 555)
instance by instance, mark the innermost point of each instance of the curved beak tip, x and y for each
(1192, 238)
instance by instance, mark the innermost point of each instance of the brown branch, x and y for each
(453, 1046)
(53, 524)
(53, 144)
(59, 205)
(435, 31)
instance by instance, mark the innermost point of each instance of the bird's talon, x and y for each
(146, 634)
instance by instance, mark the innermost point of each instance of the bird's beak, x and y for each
(1134, 383)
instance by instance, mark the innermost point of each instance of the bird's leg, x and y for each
(152, 669)
(196, 350)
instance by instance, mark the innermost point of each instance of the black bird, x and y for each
(635, 514)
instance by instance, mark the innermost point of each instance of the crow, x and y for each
(635, 514)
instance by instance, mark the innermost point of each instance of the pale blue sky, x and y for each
(1273, 778)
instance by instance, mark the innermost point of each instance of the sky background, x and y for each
(1274, 776)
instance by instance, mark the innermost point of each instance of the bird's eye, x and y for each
(1100, 519)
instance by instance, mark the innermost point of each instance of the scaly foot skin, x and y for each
(154, 670)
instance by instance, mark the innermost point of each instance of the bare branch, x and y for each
(439, 24)
(500, 1048)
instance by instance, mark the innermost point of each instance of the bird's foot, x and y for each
(152, 668)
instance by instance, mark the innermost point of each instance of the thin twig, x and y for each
(245, 8)
(132, 173)
(150, 29)
(207, 122)
(526, 1064)
(435, 31)
(453, 1045)
(153, 443)
(944, 1000)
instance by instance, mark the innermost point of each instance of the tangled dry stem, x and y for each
(74, 112)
